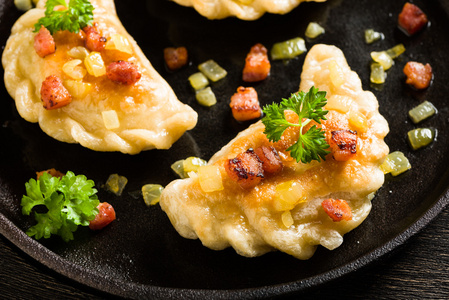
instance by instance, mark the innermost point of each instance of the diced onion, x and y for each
(331, 239)
(422, 112)
(358, 121)
(73, 69)
(77, 89)
(288, 195)
(395, 163)
(370, 196)
(116, 184)
(94, 64)
(110, 119)
(382, 58)
(378, 74)
(339, 103)
(371, 36)
(198, 81)
(178, 168)
(336, 74)
(23, 5)
(206, 97)
(396, 51)
(78, 52)
(152, 193)
(313, 30)
(287, 219)
(210, 178)
(120, 43)
(420, 137)
(288, 49)
(192, 164)
(184, 167)
(212, 70)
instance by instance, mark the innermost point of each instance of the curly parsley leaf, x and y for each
(69, 201)
(78, 14)
(312, 144)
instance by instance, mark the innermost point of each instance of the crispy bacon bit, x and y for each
(271, 162)
(245, 104)
(343, 144)
(412, 19)
(54, 94)
(257, 66)
(53, 172)
(44, 44)
(246, 169)
(175, 58)
(337, 209)
(249, 167)
(104, 217)
(418, 75)
(123, 72)
(94, 41)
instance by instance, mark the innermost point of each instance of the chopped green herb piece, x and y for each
(79, 14)
(312, 144)
(70, 201)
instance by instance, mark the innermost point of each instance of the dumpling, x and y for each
(289, 210)
(117, 100)
(242, 9)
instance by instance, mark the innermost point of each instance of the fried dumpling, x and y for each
(116, 99)
(242, 9)
(297, 208)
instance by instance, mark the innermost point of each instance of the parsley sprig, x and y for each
(312, 144)
(69, 201)
(79, 13)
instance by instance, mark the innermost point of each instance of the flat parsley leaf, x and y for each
(312, 144)
(78, 14)
(70, 201)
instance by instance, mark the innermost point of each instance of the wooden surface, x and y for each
(419, 269)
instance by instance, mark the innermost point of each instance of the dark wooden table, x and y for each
(419, 269)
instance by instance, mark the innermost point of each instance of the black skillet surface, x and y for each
(140, 254)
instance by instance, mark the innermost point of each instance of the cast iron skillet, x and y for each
(140, 254)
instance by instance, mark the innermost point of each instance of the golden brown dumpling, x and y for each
(242, 9)
(103, 115)
(260, 219)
